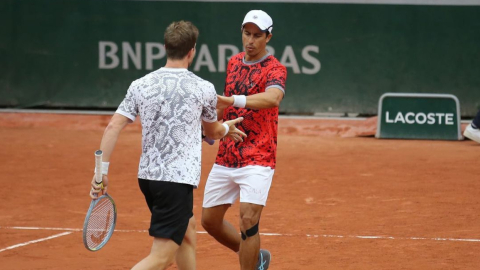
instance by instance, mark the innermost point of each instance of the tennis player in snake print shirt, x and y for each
(173, 104)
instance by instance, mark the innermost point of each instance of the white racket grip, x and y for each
(98, 166)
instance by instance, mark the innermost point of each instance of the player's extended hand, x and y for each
(234, 133)
(96, 189)
(223, 102)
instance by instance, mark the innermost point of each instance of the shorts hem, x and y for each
(255, 202)
(210, 205)
(164, 236)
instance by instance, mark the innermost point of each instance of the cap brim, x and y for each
(259, 27)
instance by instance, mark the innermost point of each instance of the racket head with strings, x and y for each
(99, 223)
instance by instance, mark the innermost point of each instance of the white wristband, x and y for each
(239, 101)
(227, 128)
(104, 168)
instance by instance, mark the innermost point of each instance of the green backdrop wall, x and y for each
(340, 57)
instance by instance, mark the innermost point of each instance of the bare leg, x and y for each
(250, 247)
(214, 223)
(186, 253)
(161, 255)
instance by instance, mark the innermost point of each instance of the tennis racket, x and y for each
(101, 216)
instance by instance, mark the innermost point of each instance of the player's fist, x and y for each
(97, 188)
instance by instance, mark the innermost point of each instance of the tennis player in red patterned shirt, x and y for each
(254, 88)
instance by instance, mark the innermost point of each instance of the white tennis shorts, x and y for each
(224, 185)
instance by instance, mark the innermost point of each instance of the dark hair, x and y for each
(180, 37)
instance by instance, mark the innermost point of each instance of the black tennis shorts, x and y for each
(171, 205)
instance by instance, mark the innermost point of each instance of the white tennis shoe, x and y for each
(472, 133)
(264, 258)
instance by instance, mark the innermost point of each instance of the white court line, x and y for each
(35, 241)
(395, 238)
(279, 234)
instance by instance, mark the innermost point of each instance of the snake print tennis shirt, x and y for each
(171, 103)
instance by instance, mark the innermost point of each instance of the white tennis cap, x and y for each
(260, 18)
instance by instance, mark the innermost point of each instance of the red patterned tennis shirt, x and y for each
(260, 145)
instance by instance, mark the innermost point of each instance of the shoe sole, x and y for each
(270, 260)
(471, 136)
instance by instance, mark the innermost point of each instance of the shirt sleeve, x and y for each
(277, 78)
(209, 111)
(129, 105)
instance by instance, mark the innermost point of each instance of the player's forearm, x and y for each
(108, 143)
(264, 100)
(111, 134)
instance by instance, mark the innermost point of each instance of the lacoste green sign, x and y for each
(419, 116)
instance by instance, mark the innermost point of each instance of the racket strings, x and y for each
(100, 223)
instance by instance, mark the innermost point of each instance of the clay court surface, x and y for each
(338, 201)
